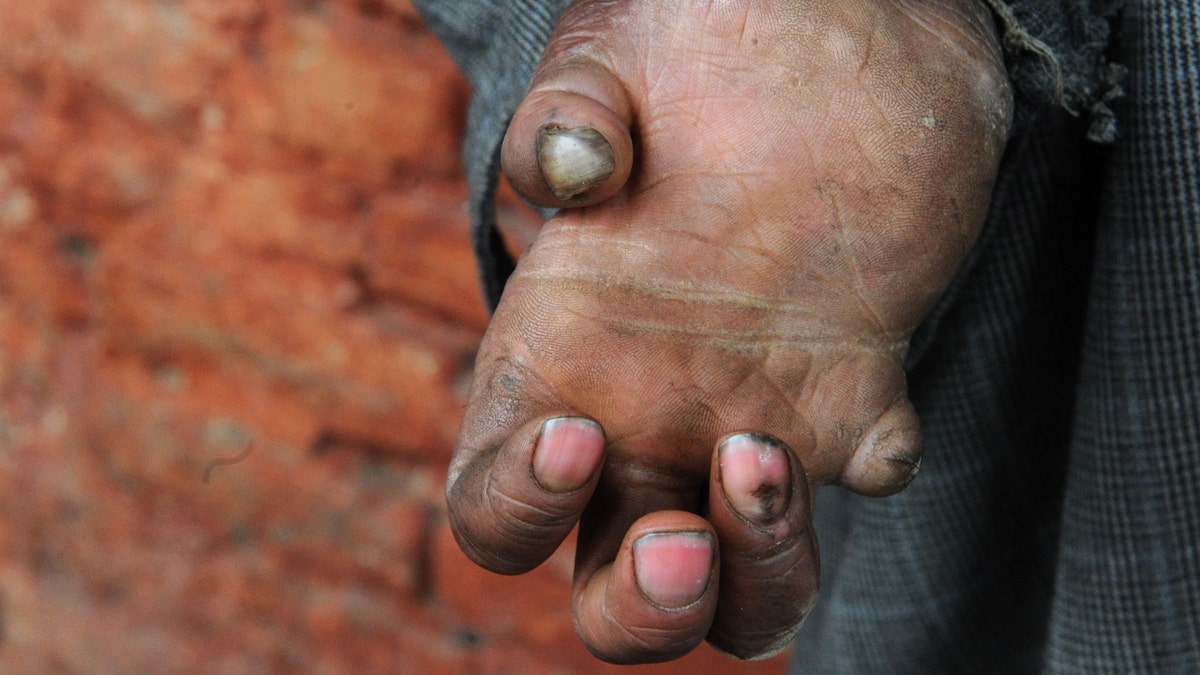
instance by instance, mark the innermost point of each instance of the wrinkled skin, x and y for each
(805, 181)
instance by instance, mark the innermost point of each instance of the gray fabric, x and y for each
(1055, 524)
(1133, 491)
(955, 574)
(497, 44)
(1055, 52)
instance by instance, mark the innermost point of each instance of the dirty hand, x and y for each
(761, 201)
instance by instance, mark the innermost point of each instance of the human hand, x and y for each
(717, 319)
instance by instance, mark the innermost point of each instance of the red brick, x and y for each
(418, 253)
(347, 86)
(371, 372)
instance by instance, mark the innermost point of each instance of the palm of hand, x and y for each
(798, 206)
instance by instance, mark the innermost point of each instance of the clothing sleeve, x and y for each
(497, 45)
(1054, 50)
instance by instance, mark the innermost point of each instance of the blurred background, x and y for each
(237, 317)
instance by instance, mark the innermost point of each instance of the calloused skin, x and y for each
(692, 345)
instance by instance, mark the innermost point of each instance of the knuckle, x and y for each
(754, 645)
(483, 552)
(506, 532)
(628, 644)
(788, 548)
(518, 511)
(509, 539)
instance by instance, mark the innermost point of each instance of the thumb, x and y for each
(569, 143)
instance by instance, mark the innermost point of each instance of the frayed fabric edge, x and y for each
(1088, 85)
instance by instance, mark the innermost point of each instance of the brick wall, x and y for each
(237, 316)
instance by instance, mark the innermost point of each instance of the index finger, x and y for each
(512, 505)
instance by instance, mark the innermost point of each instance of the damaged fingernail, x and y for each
(755, 476)
(567, 454)
(672, 569)
(574, 161)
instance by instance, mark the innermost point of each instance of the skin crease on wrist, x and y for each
(761, 201)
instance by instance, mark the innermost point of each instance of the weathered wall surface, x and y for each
(234, 230)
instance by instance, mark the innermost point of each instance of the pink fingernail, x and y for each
(568, 453)
(756, 476)
(672, 568)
